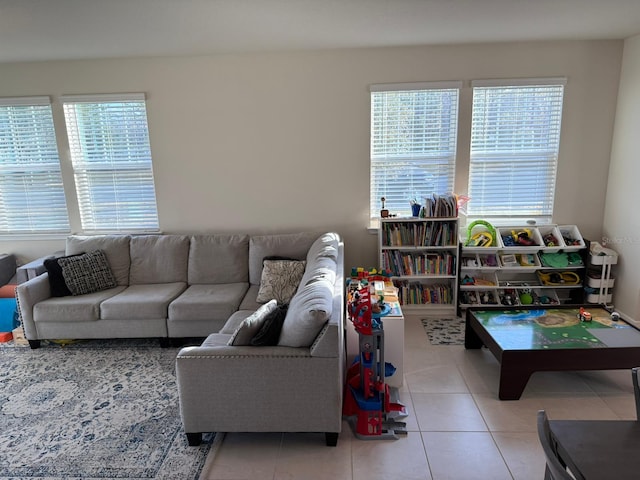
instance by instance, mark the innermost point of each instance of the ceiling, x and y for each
(33, 30)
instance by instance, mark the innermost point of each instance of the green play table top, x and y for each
(522, 329)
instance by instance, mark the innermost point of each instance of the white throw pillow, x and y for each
(280, 280)
(308, 311)
(252, 325)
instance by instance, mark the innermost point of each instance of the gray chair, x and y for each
(554, 469)
(636, 390)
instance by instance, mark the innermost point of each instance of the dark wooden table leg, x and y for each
(471, 338)
(513, 379)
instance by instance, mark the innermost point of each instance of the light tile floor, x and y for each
(458, 429)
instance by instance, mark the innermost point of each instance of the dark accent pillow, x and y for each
(56, 280)
(269, 333)
(87, 273)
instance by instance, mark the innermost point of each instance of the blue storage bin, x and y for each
(8, 314)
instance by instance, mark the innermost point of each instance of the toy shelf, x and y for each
(548, 267)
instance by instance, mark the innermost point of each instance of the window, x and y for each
(413, 143)
(515, 138)
(111, 157)
(31, 192)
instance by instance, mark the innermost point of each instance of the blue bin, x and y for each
(8, 314)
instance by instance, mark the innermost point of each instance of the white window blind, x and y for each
(111, 156)
(515, 138)
(413, 143)
(31, 192)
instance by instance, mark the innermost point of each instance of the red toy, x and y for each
(367, 401)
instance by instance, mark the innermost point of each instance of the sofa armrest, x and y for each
(227, 389)
(7, 268)
(29, 294)
(34, 268)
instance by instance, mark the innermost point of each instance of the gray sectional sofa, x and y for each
(166, 286)
(177, 286)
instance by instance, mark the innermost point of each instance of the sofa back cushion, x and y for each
(115, 248)
(294, 246)
(309, 310)
(158, 259)
(325, 246)
(218, 259)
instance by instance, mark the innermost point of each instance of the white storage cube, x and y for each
(470, 261)
(595, 298)
(552, 240)
(478, 279)
(571, 237)
(535, 237)
(600, 259)
(595, 281)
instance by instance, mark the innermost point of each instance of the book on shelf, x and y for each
(445, 205)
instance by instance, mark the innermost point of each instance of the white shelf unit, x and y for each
(421, 256)
(514, 275)
(600, 280)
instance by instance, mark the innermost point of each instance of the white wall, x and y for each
(280, 142)
(622, 221)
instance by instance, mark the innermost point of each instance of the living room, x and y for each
(278, 141)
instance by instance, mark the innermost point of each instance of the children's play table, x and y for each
(555, 338)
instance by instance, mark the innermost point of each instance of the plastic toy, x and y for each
(367, 403)
(525, 297)
(484, 238)
(559, 278)
(550, 240)
(523, 237)
(583, 315)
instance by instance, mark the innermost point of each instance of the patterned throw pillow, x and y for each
(87, 273)
(280, 280)
(56, 280)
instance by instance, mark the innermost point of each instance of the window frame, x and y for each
(380, 153)
(109, 162)
(489, 161)
(32, 175)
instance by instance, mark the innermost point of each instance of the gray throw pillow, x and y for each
(252, 325)
(87, 273)
(269, 333)
(280, 280)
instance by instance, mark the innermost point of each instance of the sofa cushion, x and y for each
(56, 279)
(269, 332)
(87, 273)
(280, 280)
(251, 325)
(82, 308)
(204, 302)
(309, 310)
(141, 302)
(115, 247)
(158, 259)
(293, 245)
(218, 259)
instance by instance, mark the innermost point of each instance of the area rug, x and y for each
(444, 331)
(94, 410)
